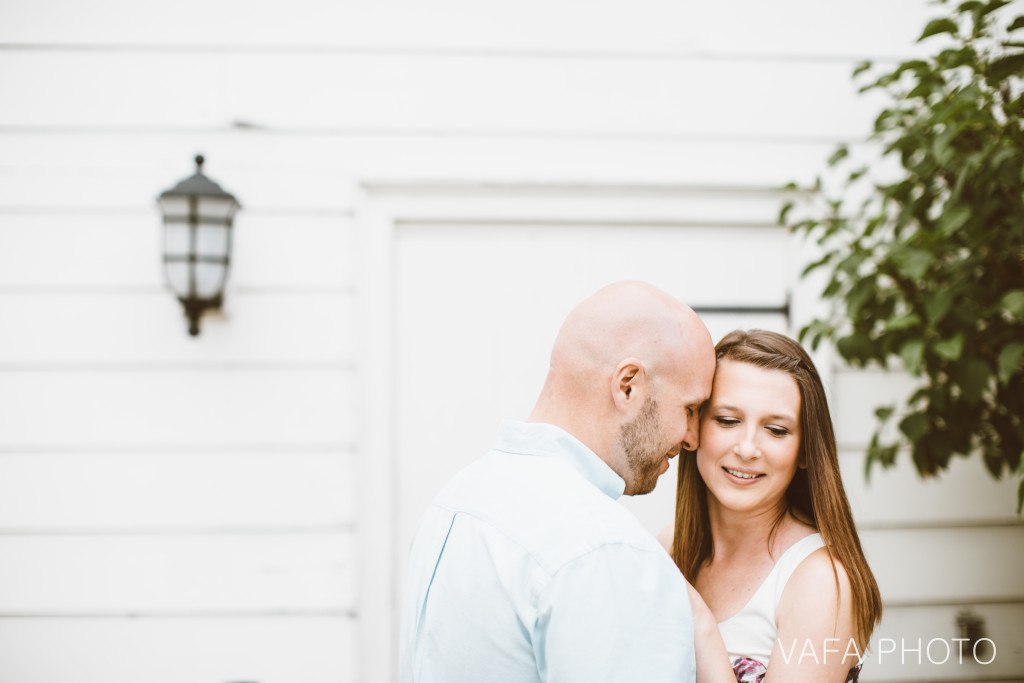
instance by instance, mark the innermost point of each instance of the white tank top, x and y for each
(751, 631)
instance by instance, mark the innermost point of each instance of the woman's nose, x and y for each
(746, 448)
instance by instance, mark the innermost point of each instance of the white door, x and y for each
(466, 286)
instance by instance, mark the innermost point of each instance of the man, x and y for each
(525, 568)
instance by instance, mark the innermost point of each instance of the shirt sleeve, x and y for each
(617, 613)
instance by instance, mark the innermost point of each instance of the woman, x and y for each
(763, 528)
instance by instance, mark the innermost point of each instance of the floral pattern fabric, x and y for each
(749, 670)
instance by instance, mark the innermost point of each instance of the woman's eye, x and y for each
(778, 431)
(727, 421)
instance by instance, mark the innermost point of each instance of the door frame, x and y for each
(384, 206)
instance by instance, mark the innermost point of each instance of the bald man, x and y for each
(525, 568)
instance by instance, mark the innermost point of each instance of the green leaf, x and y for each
(841, 153)
(784, 211)
(912, 353)
(922, 457)
(883, 413)
(817, 264)
(918, 66)
(815, 329)
(993, 5)
(925, 87)
(1014, 303)
(951, 59)
(936, 26)
(937, 304)
(952, 220)
(913, 263)
(903, 322)
(1004, 67)
(886, 455)
(1020, 496)
(862, 67)
(915, 426)
(1016, 24)
(969, 6)
(942, 146)
(855, 347)
(1010, 360)
(852, 263)
(950, 349)
(973, 378)
(993, 461)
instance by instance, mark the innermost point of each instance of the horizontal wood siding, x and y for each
(148, 573)
(96, 409)
(72, 251)
(176, 491)
(805, 28)
(426, 94)
(313, 649)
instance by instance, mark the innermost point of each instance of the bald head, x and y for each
(627, 319)
(627, 343)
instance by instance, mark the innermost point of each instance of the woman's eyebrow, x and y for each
(781, 418)
(734, 409)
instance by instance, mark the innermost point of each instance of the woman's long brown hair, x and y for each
(815, 496)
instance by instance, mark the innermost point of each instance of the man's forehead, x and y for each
(694, 393)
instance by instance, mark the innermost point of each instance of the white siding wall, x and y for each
(178, 509)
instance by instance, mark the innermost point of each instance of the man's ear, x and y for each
(628, 383)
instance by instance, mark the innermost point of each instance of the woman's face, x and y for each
(749, 437)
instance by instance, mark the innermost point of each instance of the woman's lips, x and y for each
(743, 475)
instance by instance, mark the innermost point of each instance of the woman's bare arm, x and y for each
(816, 641)
(712, 658)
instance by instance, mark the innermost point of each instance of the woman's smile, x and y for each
(743, 474)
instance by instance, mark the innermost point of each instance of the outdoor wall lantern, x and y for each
(197, 242)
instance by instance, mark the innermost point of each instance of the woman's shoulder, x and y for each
(818, 579)
(820, 568)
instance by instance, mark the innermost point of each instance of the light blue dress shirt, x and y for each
(525, 569)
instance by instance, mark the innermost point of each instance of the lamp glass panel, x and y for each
(212, 240)
(175, 206)
(176, 239)
(209, 279)
(177, 277)
(220, 209)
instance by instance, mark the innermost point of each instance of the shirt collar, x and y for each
(538, 438)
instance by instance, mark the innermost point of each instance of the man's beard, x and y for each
(643, 456)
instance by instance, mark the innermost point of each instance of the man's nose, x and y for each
(691, 439)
